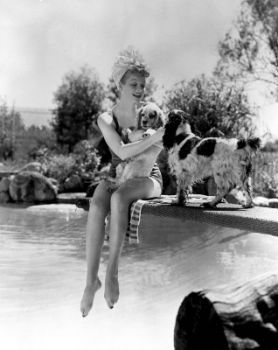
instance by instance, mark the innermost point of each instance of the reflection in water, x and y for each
(42, 269)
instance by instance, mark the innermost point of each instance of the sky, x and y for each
(42, 40)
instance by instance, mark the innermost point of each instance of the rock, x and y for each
(31, 187)
(236, 196)
(261, 201)
(4, 197)
(70, 198)
(4, 184)
(273, 203)
(73, 183)
(53, 181)
(33, 166)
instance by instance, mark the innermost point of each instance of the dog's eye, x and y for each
(152, 115)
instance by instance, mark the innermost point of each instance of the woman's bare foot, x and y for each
(112, 292)
(88, 297)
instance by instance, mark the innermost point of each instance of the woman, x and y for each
(129, 73)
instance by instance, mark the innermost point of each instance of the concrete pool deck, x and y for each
(257, 219)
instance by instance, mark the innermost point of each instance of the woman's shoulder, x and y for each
(105, 118)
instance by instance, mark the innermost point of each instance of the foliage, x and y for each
(249, 51)
(209, 103)
(11, 127)
(265, 174)
(79, 100)
(60, 167)
(268, 186)
(112, 92)
(271, 146)
(86, 157)
(33, 140)
(83, 161)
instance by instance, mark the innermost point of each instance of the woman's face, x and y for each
(133, 86)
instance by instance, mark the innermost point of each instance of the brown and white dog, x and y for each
(191, 159)
(150, 118)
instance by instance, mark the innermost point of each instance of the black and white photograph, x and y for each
(139, 174)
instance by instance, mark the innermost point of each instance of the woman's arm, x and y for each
(114, 141)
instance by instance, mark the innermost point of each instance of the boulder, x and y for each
(33, 166)
(4, 184)
(72, 183)
(261, 201)
(4, 197)
(236, 196)
(32, 187)
(273, 203)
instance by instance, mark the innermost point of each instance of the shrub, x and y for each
(267, 186)
(60, 167)
(209, 104)
(87, 159)
(82, 162)
(265, 174)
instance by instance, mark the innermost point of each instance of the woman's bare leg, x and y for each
(131, 190)
(99, 208)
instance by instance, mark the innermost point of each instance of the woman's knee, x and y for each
(99, 206)
(120, 200)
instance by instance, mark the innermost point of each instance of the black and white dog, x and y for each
(191, 159)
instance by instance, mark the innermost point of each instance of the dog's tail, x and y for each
(254, 143)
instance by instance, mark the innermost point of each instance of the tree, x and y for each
(249, 51)
(209, 103)
(11, 127)
(35, 140)
(79, 100)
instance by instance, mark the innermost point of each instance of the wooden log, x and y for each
(241, 318)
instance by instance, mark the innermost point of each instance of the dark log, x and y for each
(241, 318)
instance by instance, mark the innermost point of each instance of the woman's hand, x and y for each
(114, 141)
(158, 134)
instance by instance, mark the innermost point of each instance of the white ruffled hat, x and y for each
(128, 60)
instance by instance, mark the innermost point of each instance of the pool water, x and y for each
(42, 269)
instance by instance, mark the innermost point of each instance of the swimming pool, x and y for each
(42, 269)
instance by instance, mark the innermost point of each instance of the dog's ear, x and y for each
(160, 119)
(139, 117)
(254, 143)
(173, 121)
